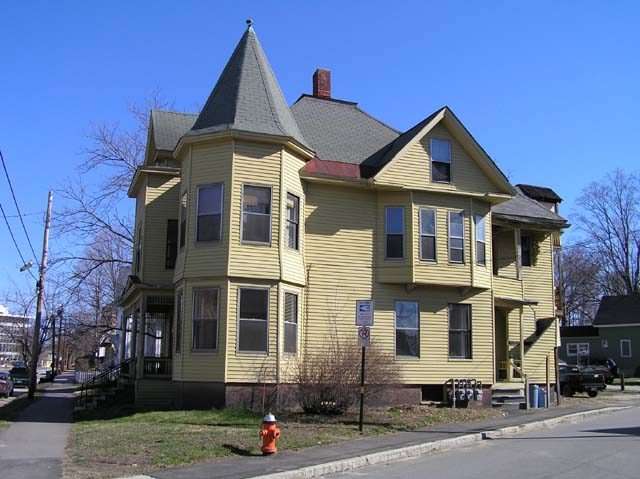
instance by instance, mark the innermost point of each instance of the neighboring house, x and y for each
(258, 226)
(582, 344)
(618, 324)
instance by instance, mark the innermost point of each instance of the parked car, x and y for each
(20, 376)
(610, 368)
(6, 384)
(573, 380)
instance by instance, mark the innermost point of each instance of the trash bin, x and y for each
(542, 397)
(534, 389)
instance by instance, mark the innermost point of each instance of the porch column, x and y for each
(141, 340)
(521, 342)
(134, 333)
(123, 336)
(518, 246)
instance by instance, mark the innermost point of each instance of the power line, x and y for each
(15, 201)
(14, 240)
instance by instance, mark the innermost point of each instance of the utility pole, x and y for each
(35, 343)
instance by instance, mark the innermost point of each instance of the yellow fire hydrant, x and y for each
(269, 433)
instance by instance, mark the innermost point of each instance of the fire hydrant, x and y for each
(269, 433)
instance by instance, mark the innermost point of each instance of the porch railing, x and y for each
(157, 366)
(107, 376)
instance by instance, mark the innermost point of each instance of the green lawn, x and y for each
(142, 441)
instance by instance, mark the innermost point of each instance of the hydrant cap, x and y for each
(269, 418)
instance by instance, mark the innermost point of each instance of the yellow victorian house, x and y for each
(258, 226)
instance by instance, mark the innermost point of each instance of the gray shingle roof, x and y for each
(247, 97)
(169, 126)
(618, 310)
(523, 208)
(339, 130)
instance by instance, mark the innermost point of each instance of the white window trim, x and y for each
(475, 220)
(431, 161)
(449, 236)
(238, 319)
(395, 324)
(181, 243)
(435, 233)
(386, 257)
(286, 222)
(193, 302)
(470, 330)
(285, 322)
(578, 346)
(605, 344)
(257, 243)
(221, 185)
(622, 355)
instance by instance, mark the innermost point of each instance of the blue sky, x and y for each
(549, 89)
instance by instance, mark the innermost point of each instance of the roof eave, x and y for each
(194, 137)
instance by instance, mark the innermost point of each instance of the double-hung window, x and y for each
(179, 305)
(138, 262)
(293, 221)
(460, 331)
(525, 249)
(578, 349)
(256, 214)
(205, 319)
(456, 237)
(209, 221)
(427, 234)
(440, 160)
(394, 232)
(625, 348)
(407, 328)
(183, 219)
(481, 241)
(171, 251)
(253, 320)
(290, 323)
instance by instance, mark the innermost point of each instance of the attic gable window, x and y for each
(256, 214)
(209, 220)
(440, 160)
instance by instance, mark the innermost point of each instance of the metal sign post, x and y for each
(364, 320)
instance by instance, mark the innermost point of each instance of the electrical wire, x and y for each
(15, 201)
(14, 240)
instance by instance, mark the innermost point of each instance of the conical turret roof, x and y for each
(247, 97)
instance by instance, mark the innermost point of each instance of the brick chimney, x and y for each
(322, 83)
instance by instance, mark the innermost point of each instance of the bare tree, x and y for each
(581, 286)
(609, 215)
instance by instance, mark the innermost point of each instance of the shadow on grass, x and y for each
(12, 409)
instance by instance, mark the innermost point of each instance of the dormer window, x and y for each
(440, 160)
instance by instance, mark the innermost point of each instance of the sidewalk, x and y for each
(252, 466)
(33, 446)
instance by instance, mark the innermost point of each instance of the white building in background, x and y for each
(12, 330)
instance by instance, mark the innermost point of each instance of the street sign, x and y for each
(364, 336)
(364, 312)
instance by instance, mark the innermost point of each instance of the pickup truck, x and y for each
(573, 380)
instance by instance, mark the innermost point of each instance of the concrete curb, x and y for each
(344, 465)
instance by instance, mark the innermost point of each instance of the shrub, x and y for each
(328, 380)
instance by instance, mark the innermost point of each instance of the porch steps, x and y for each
(507, 394)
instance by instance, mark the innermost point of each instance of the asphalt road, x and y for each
(602, 446)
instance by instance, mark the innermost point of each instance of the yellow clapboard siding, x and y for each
(538, 280)
(292, 260)
(251, 367)
(161, 199)
(209, 164)
(192, 365)
(255, 164)
(413, 169)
